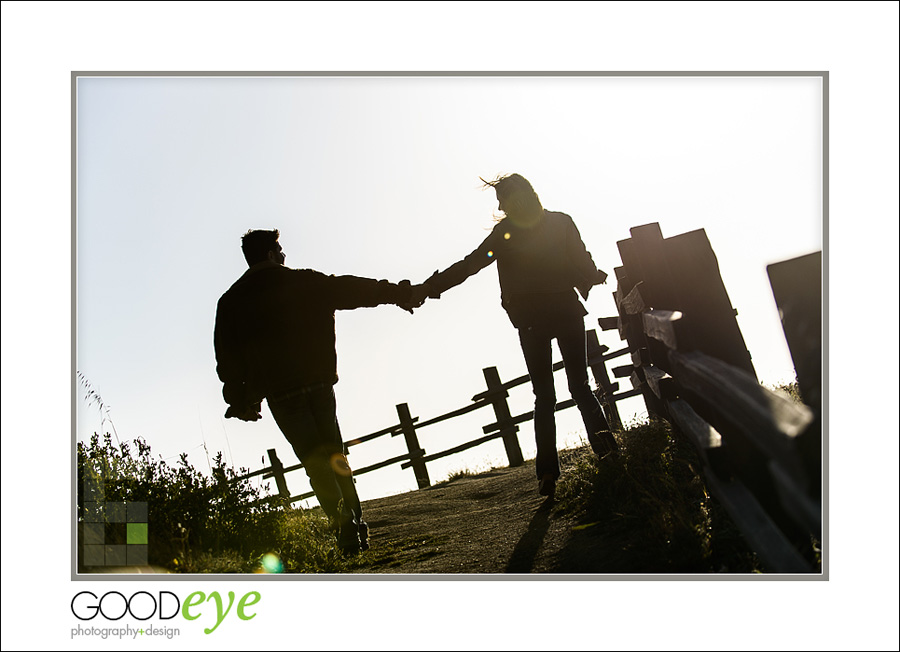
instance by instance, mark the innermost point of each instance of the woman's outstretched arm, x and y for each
(483, 256)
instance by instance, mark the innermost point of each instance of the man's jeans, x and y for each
(536, 342)
(308, 419)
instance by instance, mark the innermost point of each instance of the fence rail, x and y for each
(504, 426)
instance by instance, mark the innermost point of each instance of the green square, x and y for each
(137, 533)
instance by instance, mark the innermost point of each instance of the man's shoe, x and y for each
(547, 486)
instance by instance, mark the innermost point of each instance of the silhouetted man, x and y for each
(274, 339)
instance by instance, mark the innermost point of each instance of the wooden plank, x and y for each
(278, 473)
(629, 274)
(664, 326)
(618, 353)
(659, 354)
(733, 401)
(303, 496)
(637, 377)
(271, 473)
(510, 384)
(661, 384)
(621, 396)
(456, 449)
(450, 415)
(597, 364)
(631, 330)
(655, 406)
(412, 445)
(595, 352)
(623, 283)
(608, 323)
(709, 318)
(797, 288)
(660, 289)
(802, 508)
(380, 465)
(703, 436)
(624, 371)
(763, 535)
(640, 357)
(528, 416)
(705, 439)
(633, 303)
(508, 431)
(390, 430)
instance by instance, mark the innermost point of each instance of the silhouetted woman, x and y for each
(541, 260)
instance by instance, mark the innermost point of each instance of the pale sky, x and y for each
(378, 176)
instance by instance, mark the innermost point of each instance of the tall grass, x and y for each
(205, 524)
(648, 508)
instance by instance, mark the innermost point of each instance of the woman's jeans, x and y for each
(308, 419)
(570, 337)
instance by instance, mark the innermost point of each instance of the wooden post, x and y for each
(710, 319)
(797, 287)
(658, 287)
(601, 377)
(278, 473)
(412, 443)
(497, 396)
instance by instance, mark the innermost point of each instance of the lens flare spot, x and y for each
(490, 254)
(340, 465)
(271, 563)
(506, 236)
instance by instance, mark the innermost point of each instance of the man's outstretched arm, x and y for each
(350, 292)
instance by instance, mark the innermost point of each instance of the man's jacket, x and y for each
(274, 331)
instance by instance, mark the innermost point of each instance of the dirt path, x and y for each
(493, 522)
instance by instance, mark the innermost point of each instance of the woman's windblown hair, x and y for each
(520, 202)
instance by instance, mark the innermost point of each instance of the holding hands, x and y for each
(417, 296)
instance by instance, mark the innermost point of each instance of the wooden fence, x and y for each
(504, 426)
(761, 451)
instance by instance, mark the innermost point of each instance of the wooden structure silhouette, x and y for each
(762, 451)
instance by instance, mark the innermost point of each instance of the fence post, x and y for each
(601, 377)
(509, 433)
(412, 443)
(278, 473)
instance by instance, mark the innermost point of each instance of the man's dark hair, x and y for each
(257, 243)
